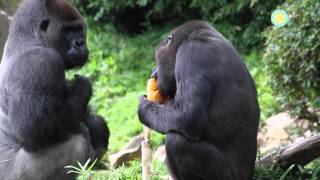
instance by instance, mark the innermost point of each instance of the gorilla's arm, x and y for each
(40, 112)
(187, 113)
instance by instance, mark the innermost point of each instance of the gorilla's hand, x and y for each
(153, 115)
(144, 106)
(82, 88)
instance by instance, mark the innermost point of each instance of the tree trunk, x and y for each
(301, 152)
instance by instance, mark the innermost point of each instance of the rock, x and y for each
(274, 133)
(4, 27)
(129, 153)
(132, 151)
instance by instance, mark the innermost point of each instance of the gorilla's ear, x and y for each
(44, 24)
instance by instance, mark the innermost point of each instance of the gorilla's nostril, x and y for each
(81, 42)
(78, 43)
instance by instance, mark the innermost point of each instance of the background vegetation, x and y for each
(293, 59)
(242, 21)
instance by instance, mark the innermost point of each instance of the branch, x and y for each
(301, 152)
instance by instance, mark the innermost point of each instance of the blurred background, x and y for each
(284, 62)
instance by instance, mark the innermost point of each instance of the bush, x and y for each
(293, 57)
(240, 21)
(267, 102)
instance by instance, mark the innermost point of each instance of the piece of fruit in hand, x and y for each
(153, 94)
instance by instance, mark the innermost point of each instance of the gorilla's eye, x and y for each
(44, 24)
(169, 38)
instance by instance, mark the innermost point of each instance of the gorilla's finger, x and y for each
(154, 73)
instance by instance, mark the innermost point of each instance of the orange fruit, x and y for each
(153, 94)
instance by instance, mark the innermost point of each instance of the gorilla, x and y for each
(45, 123)
(212, 119)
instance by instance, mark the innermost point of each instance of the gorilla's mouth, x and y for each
(76, 60)
(168, 91)
(83, 56)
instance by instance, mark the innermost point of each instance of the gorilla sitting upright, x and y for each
(211, 121)
(45, 123)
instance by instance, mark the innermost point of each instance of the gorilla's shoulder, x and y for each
(36, 64)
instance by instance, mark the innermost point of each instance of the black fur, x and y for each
(212, 120)
(45, 122)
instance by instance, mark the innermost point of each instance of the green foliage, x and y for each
(101, 8)
(272, 173)
(132, 172)
(9, 5)
(83, 171)
(294, 172)
(293, 59)
(267, 102)
(124, 123)
(240, 21)
(123, 120)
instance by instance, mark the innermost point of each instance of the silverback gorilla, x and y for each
(45, 122)
(212, 120)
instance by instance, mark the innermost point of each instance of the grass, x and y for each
(293, 172)
(131, 172)
(83, 171)
(124, 123)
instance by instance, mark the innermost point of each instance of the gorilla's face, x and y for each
(76, 52)
(166, 60)
(68, 38)
(167, 53)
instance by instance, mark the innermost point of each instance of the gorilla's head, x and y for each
(167, 52)
(55, 24)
